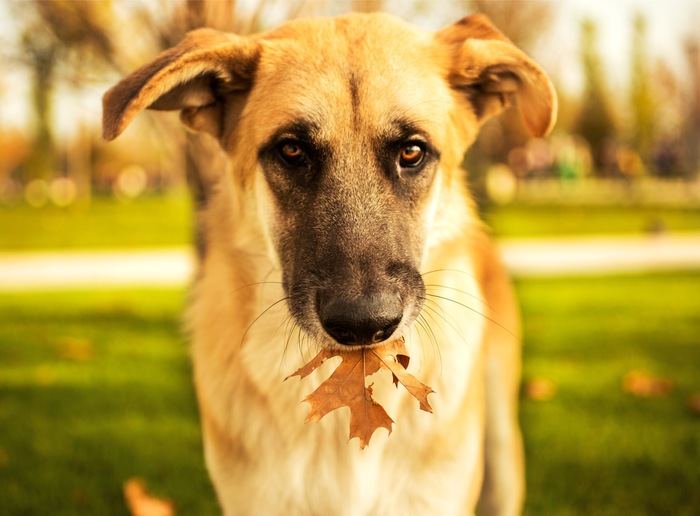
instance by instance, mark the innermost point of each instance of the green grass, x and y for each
(104, 223)
(521, 220)
(95, 388)
(167, 221)
(593, 448)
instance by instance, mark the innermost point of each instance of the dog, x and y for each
(342, 221)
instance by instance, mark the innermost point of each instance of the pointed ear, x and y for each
(493, 72)
(195, 76)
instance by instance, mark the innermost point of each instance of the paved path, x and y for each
(601, 255)
(91, 268)
(524, 258)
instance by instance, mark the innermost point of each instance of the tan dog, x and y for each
(343, 220)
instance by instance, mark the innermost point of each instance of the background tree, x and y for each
(524, 23)
(595, 121)
(641, 96)
(691, 124)
(57, 32)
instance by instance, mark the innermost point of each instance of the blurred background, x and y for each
(94, 373)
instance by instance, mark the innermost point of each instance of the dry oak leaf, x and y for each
(140, 503)
(644, 385)
(540, 389)
(346, 386)
(693, 405)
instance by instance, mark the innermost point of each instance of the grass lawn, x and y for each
(521, 220)
(167, 221)
(159, 221)
(95, 389)
(593, 448)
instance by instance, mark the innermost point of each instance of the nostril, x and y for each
(385, 333)
(342, 335)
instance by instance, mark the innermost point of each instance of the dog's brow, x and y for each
(305, 129)
(302, 129)
(401, 129)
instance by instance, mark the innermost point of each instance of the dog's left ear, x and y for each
(196, 76)
(492, 71)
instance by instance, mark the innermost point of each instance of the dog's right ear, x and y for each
(195, 77)
(493, 72)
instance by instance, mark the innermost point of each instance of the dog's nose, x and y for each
(362, 321)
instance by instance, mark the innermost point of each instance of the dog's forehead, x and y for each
(344, 73)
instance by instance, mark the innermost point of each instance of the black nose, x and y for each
(361, 321)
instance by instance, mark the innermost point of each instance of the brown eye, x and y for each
(411, 155)
(292, 153)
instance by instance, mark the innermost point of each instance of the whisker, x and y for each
(256, 284)
(287, 337)
(470, 275)
(476, 312)
(312, 345)
(443, 316)
(423, 323)
(284, 321)
(473, 296)
(259, 316)
(427, 327)
(299, 341)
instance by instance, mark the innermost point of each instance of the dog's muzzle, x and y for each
(361, 321)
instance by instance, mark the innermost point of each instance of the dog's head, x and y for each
(346, 131)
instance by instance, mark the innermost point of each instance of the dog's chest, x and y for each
(313, 466)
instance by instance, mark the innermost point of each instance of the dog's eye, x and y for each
(292, 153)
(411, 155)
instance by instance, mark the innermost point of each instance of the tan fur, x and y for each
(350, 76)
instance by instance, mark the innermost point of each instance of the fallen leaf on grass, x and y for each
(540, 389)
(346, 387)
(694, 404)
(645, 385)
(140, 503)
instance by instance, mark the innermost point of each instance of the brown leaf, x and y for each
(694, 404)
(540, 389)
(394, 357)
(366, 416)
(313, 364)
(140, 503)
(645, 385)
(346, 387)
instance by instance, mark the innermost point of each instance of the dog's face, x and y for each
(345, 131)
(349, 170)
